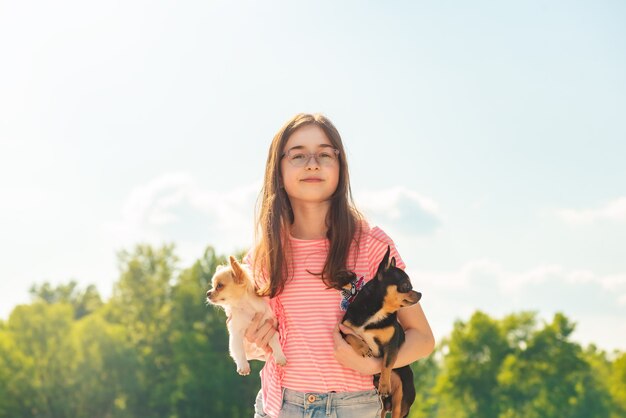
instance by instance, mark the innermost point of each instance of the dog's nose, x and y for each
(208, 294)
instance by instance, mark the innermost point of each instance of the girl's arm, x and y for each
(419, 343)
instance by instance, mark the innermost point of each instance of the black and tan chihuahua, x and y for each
(372, 316)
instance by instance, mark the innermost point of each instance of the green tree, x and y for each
(617, 386)
(103, 368)
(595, 390)
(425, 373)
(473, 356)
(15, 378)
(142, 304)
(83, 301)
(205, 373)
(41, 365)
(550, 377)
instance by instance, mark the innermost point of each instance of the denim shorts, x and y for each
(363, 404)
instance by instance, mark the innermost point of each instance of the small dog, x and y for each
(372, 315)
(233, 290)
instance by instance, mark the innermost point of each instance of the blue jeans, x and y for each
(364, 404)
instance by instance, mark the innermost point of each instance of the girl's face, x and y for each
(315, 181)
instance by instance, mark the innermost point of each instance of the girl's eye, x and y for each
(324, 156)
(298, 156)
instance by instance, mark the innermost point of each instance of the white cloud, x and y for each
(613, 211)
(384, 200)
(399, 208)
(510, 281)
(175, 207)
(167, 206)
(484, 284)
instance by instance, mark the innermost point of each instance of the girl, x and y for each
(309, 234)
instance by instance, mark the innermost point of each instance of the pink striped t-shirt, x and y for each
(307, 314)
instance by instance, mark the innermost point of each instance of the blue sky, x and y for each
(487, 139)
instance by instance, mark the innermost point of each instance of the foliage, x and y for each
(514, 367)
(155, 349)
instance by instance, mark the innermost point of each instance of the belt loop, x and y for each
(329, 403)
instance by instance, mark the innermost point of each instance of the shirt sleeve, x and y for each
(378, 242)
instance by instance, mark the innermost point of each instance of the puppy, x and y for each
(233, 290)
(372, 316)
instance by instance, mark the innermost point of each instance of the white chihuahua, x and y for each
(233, 290)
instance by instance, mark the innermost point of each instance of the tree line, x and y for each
(155, 349)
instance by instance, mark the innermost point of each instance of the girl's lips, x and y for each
(312, 180)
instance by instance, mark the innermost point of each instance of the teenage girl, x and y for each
(309, 234)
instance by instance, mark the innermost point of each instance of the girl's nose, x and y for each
(312, 163)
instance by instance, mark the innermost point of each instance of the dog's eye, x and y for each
(219, 286)
(406, 287)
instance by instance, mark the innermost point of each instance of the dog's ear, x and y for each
(240, 275)
(384, 264)
(393, 262)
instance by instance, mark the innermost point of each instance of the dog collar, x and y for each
(349, 294)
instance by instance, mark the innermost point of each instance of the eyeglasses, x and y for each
(298, 158)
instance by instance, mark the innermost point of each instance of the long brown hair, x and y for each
(274, 215)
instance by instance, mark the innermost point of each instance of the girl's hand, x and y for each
(346, 356)
(259, 333)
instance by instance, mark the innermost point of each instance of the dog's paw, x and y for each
(384, 389)
(244, 369)
(280, 359)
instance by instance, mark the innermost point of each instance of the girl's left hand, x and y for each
(346, 356)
